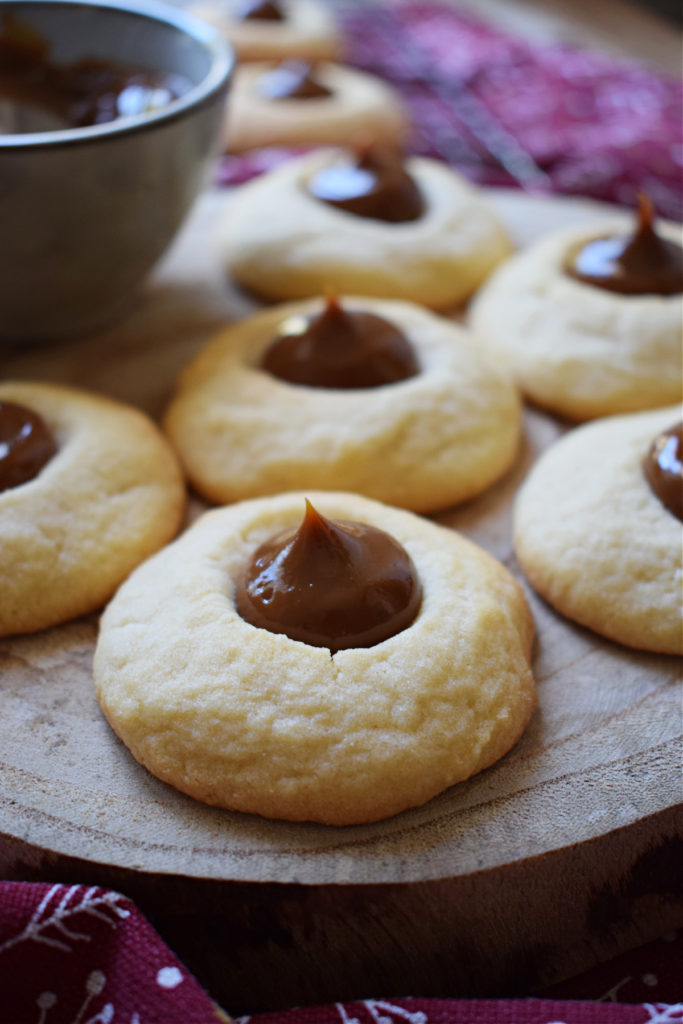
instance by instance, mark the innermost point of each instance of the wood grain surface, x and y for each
(564, 853)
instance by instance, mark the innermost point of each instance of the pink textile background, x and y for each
(551, 119)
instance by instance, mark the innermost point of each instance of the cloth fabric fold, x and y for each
(77, 954)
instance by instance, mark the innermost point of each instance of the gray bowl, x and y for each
(86, 212)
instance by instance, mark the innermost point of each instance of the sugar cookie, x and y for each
(577, 349)
(109, 493)
(423, 443)
(594, 539)
(306, 29)
(357, 107)
(281, 242)
(247, 719)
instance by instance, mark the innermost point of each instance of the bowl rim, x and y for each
(203, 93)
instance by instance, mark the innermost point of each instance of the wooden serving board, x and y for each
(565, 853)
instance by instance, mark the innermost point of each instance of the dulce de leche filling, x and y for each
(663, 469)
(330, 584)
(26, 444)
(291, 80)
(641, 263)
(338, 348)
(261, 10)
(85, 92)
(376, 185)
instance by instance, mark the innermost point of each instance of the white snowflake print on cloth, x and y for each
(94, 986)
(78, 954)
(384, 1013)
(169, 977)
(379, 1011)
(59, 905)
(463, 1011)
(664, 1013)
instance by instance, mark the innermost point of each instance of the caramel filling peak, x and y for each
(261, 10)
(642, 263)
(338, 348)
(292, 80)
(375, 185)
(26, 444)
(333, 584)
(663, 469)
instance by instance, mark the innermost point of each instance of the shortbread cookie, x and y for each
(357, 107)
(247, 719)
(594, 539)
(576, 349)
(110, 493)
(306, 29)
(424, 443)
(281, 242)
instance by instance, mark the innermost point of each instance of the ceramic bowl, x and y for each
(86, 212)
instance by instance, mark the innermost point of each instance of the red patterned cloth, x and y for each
(474, 1011)
(75, 954)
(505, 112)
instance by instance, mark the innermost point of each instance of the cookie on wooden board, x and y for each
(596, 540)
(332, 105)
(248, 719)
(304, 29)
(437, 437)
(282, 241)
(576, 347)
(89, 487)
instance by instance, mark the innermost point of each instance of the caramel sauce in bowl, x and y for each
(38, 93)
